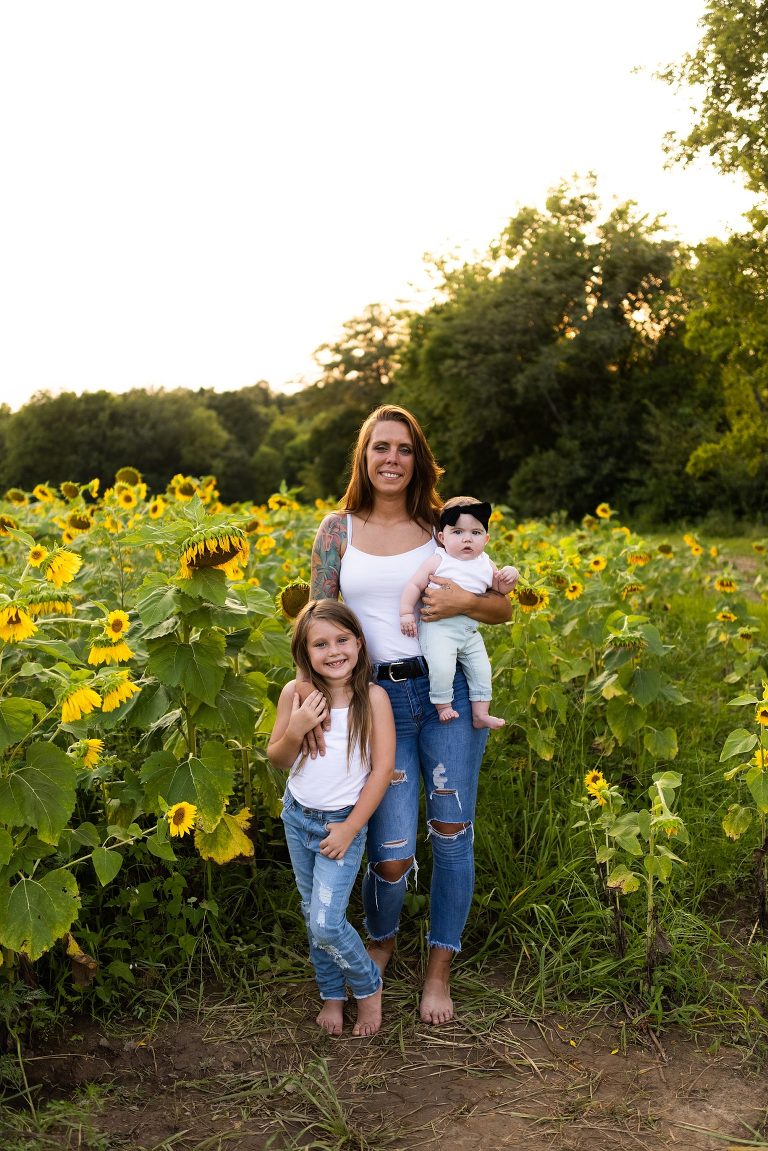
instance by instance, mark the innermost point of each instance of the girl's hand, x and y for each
(339, 837)
(307, 715)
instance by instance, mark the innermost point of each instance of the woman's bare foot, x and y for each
(331, 1017)
(436, 1005)
(380, 951)
(368, 1019)
(445, 712)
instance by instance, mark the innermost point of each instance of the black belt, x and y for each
(402, 669)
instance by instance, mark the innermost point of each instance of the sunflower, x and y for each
(92, 752)
(746, 634)
(112, 525)
(126, 497)
(266, 544)
(78, 703)
(213, 548)
(697, 550)
(689, 539)
(181, 818)
(15, 623)
(119, 690)
(117, 652)
(116, 625)
(17, 496)
(604, 511)
(714, 552)
(69, 490)
(43, 493)
(628, 642)
(79, 521)
(574, 590)
(631, 588)
(726, 616)
(758, 546)
(665, 550)
(638, 559)
(596, 785)
(725, 584)
(292, 598)
(156, 508)
(597, 563)
(45, 602)
(184, 488)
(7, 525)
(531, 598)
(36, 555)
(761, 714)
(61, 566)
(128, 475)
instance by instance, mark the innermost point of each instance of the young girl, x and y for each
(329, 800)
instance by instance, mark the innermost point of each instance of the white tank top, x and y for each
(328, 782)
(372, 587)
(474, 575)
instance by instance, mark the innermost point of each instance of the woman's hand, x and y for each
(306, 716)
(313, 740)
(446, 600)
(449, 600)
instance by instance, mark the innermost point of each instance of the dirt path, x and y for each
(255, 1075)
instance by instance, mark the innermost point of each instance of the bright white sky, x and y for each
(200, 194)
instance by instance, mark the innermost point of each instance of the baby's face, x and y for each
(465, 539)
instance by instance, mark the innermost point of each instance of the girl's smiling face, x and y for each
(465, 539)
(332, 651)
(389, 457)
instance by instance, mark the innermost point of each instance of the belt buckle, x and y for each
(389, 672)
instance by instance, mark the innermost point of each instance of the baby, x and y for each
(463, 535)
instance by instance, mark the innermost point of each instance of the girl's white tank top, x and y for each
(328, 782)
(372, 587)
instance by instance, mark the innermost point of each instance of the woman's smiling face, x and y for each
(389, 457)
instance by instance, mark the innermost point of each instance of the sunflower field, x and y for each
(144, 642)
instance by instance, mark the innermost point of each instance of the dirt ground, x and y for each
(257, 1075)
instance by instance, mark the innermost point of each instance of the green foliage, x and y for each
(728, 75)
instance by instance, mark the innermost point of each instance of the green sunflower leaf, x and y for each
(17, 718)
(757, 782)
(739, 742)
(159, 604)
(227, 841)
(237, 706)
(6, 846)
(34, 913)
(624, 718)
(661, 744)
(41, 794)
(199, 666)
(624, 880)
(645, 685)
(106, 864)
(206, 782)
(736, 821)
(207, 584)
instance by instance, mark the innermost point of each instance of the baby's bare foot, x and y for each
(436, 1005)
(446, 713)
(368, 1019)
(331, 1017)
(491, 721)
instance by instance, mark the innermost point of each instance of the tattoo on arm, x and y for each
(330, 542)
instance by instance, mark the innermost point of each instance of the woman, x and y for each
(367, 553)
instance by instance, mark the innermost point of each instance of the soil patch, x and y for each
(253, 1075)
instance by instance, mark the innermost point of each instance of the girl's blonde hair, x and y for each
(422, 501)
(360, 722)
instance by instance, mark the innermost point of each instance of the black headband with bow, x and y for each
(481, 512)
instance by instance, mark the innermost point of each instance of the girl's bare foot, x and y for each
(331, 1017)
(436, 1005)
(380, 951)
(446, 712)
(368, 1019)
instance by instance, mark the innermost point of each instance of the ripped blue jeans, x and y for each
(337, 952)
(446, 756)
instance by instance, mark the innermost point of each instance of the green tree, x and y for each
(728, 75)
